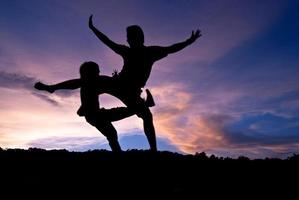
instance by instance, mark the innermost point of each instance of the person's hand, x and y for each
(90, 23)
(41, 86)
(115, 73)
(194, 36)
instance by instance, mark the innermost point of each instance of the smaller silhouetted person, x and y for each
(138, 61)
(92, 84)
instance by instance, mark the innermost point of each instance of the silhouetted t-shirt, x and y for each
(138, 63)
(90, 89)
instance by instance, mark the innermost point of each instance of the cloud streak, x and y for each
(131, 141)
(16, 81)
(196, 126)
(19, 81)
(183, 126)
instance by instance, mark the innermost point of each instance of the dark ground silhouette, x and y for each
(143, 173)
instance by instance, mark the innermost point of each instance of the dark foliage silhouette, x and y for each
(143, 173)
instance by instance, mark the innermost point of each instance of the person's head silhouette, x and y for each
(135, 36)
(89, 70)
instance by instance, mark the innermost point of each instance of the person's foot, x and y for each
(149, 99)
(41, 86)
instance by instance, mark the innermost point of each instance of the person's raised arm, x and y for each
(179, 46)
(67, 85)
(112, 45)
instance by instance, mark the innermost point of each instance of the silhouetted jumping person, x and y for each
(127, 85)
(91, 85)
(138, 61)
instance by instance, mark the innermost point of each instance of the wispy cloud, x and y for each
(70, 143)
(46, 98)
(195, 126)
(131, 141)
(177, 120)
(15, 80)
(19, 81)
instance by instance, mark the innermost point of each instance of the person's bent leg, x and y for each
(108, 130)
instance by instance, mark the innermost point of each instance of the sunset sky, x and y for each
(235, 91)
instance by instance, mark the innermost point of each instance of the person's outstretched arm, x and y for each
(112, 45)
(67, 85)
(179, 46)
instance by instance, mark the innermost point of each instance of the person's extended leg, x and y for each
(149, 128)
(116, 114)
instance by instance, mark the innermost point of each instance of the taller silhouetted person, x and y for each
(138, 61)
